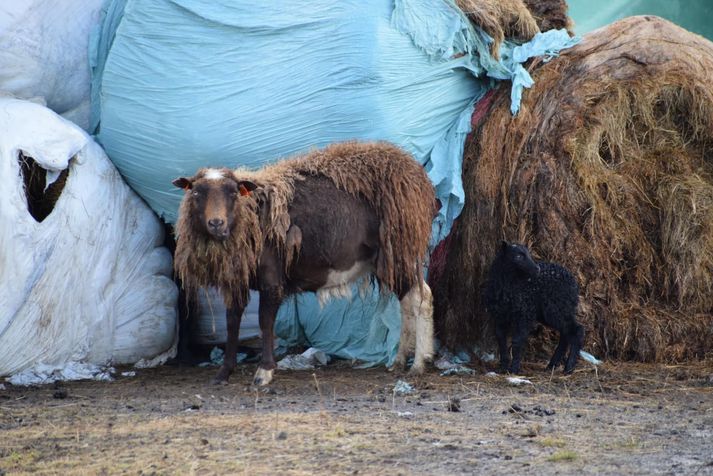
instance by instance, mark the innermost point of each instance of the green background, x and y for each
(693, 15)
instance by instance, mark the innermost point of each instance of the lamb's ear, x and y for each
(245, 187)
(184, 183)
(504, 245)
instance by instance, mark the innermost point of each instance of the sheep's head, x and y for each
(518, 256)
(213, 197)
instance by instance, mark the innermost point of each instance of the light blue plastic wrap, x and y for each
(180, 84)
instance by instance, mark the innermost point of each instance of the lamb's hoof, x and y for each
(262, 377)
(569, 371)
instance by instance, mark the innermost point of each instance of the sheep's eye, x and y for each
(195, 193)
(518, 257)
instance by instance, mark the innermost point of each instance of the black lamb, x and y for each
(520, 293)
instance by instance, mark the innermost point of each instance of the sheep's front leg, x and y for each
(233, 315)
(519, 336)
(270, 300)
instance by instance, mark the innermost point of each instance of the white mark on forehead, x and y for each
(214, 174)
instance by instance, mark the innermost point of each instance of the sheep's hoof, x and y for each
(399, 364)
(222, 377)
(417, 369)
(569, 371)
(262, 377)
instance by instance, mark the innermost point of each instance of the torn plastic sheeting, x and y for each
(44, 52)
(547, 44)
(403, 388)
(457, 370)
(43, 374)
(401, 72)
(358, 329)
(415, 17)
(590, 358)
(517, 381)
(91, 282)
(307, 360)
(217, 357)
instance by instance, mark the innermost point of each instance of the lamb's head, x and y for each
(212, 199)
(518, 257)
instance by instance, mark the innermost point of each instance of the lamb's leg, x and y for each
(270, 301)
(559, 351)
(422, 305)
(501, 333)
(576, 341)
(519, 337)
(233, 315)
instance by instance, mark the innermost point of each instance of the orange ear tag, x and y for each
(244, 192)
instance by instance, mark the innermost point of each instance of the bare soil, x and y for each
(621, 419)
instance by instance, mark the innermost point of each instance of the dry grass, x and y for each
(501, 19)
(608, 170)
(563, 455)
(550, 14)
(170, 421)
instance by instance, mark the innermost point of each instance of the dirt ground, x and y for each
(621, 419)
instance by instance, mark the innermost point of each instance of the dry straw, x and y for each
(608, 170)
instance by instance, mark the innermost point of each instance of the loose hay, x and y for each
(608, 170)
(500, 19)
(550, 14)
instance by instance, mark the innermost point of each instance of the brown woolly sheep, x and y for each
(315, 223)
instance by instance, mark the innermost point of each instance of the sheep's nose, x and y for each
(216, 222)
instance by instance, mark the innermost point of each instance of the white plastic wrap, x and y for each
(91, 282)
(44, 51)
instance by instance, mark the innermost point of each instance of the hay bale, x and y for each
(550, 14)
(500, 19)
(608, 170)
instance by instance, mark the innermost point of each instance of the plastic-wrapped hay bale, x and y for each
(83, 273)
(607, 169)
(183, 84)
(44, 52)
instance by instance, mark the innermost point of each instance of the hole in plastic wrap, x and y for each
(41, 198)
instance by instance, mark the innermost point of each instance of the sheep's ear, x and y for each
(504, 245)
(184, 183)
(245, 187)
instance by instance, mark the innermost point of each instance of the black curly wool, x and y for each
(521, 293)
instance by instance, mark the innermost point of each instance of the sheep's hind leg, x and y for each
(407, 337)
(424, 329)
(417, 313)
(233, 316)
(576, 341)
(559, 351)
